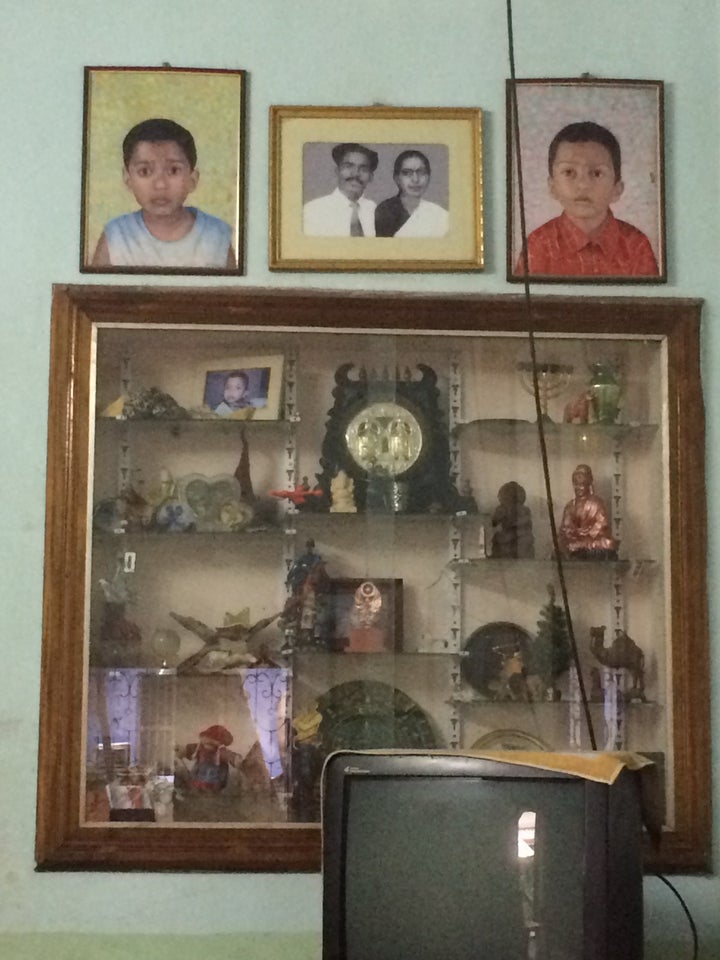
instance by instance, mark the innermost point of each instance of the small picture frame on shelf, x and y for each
(366, 615)
(162, 176)
(592, 168)
(242, 388)
(376, 188)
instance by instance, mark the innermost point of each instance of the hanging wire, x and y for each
(542, 439)
(536, 387)
(686, 911)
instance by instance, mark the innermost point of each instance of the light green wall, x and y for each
(405, 52)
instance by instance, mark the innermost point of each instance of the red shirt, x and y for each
(559, 248)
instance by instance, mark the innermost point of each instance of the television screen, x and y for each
(448, 857)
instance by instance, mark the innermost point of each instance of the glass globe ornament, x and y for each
(166, 644)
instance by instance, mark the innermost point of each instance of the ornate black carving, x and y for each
(425, 486)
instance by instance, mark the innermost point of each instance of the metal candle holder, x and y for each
(552, 379)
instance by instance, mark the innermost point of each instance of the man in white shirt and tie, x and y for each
(345, 212)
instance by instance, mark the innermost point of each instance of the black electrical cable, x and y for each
(686, 911)
(541, 437)
(536, 389)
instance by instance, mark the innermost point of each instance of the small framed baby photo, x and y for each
(242, 388)
(589, 177)
(162, 175)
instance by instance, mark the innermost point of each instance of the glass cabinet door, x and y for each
(280, 525)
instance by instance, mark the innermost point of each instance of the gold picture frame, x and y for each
(263, 386)
(444, 232)
(128, 107)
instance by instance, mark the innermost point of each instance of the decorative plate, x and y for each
(509, 740)
(370, 715)
(384, 436)
(489, 650)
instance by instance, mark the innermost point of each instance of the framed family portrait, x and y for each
(590, 180)
(162, 175)
(242, 388)
(366, 615)
(376, 188)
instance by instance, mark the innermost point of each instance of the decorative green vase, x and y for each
(606, 392)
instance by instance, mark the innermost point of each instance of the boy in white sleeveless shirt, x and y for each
(160, 171)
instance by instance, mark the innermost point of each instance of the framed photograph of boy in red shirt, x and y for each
(586, 188)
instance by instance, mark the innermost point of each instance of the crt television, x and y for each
(446, 856)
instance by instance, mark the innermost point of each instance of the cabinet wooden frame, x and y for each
(63, 842)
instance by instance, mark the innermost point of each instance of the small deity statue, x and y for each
(512, 522)
(368, 441)
(400, 445)
(342, 494)
(584, 532)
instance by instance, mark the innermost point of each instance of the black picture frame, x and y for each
(382, 631)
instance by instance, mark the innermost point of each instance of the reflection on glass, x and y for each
(526, 863)
(266, 688)
(164, 748)
(526, 834)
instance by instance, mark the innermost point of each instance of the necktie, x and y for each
(356, 229)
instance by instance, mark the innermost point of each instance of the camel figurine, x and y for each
(622, 653)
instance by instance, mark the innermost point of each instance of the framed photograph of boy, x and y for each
(242, 388)
(162, 175)
(592, 167)
(366, 615)
(376, 188)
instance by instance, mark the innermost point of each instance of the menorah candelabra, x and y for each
(552, 380)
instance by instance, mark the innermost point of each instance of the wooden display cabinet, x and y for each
(359, 555)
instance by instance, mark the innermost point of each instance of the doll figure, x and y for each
(211, 759)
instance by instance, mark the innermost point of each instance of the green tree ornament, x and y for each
(551, 649)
